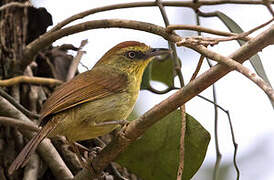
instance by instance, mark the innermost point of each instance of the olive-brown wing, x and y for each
(88, 86)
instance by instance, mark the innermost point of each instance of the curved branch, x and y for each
(137, 127)
(48, 38)
(190, 4)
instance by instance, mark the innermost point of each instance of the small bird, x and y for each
(94, 102)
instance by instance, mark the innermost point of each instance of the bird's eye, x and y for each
(131, 54)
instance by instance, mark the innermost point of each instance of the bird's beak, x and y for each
(157, 51)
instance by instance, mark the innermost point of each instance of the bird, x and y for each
(93, 103)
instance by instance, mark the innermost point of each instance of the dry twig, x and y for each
(32, 80)
(231, 64)
(170, 28)
(76, 60)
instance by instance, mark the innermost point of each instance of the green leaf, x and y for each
(254, 60)
(163, 70)
(156, 154)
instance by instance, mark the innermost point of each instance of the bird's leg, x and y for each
(118, 122)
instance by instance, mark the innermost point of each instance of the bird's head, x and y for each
(131, 57)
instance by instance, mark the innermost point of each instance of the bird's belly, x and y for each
(85, 121)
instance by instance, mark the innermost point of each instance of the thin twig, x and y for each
(203, 29)
(232, 136)
(245, 34)
(84, 66)
(218, 152)
(171, 44)
(235, 146)
(213, 41)
(198, 67)
(181, 164)
(232, 64)
(17, 105)
(31, 80)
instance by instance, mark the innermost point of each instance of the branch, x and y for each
(213, 41)
(136, 128)
(203, 29)
(76, 60)
(198, 67)
(190, 4)
(32, 80)
(48, 38)
(24, 125)
(231, 64)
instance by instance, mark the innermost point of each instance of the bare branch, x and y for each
(199, 65)
(76, 60)
(24, 125)
(32, 80)
(189, 4)
(241, 35)
(231, 64)
(177, 65)
(48, 38)
(203, 29)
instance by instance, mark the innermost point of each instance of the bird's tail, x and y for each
(28, 150)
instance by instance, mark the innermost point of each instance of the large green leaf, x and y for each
(254, 60)
(156, 154)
